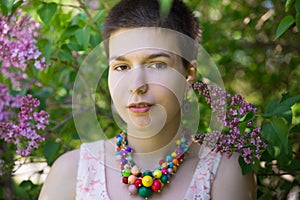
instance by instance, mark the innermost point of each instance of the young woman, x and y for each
(150, 67)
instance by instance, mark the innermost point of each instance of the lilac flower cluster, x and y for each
(24, 134)
(238, 118)
(18, 47)
(7, 103)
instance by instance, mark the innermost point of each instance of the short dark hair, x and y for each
(146, 13)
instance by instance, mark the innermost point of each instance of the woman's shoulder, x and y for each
(61, 180)
(69, 160)
(230, 183)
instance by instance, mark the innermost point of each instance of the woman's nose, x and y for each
(138, 82)
(140, 90)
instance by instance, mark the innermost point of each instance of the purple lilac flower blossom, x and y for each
(18, 47)
(24, 134)
(245, 139)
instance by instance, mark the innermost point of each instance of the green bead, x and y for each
(145, 192)
(119, 143)
(126, 172)
(164, 178)
(147, 173)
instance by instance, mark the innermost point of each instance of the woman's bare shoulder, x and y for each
(230, 183)
(61, 180)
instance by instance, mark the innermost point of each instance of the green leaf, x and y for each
(295, 165)
(86, 39)
(297, 6)
(47, 52)
(281, 109)
(16, 6)
(80, 36)
(266, 196)
(65, 55)
(298, 21)
(8, 4)
(4, 8)
(295, 129)
(47, 11)
(26, 185)
(83, 37)
(248, 117)
(288, 5)
(284, 111)
(270, 108)
(165, 7)
(20, 192)
(290, 101)
(274, 151)
(75, 136)
(284, 25)
(50, 151)
(276, 132)
(246, 168)
(70, 31)
(100, 15)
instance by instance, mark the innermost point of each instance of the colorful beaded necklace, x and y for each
(147, 182)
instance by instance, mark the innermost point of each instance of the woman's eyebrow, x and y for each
(146, 56)
(120, 58)
(156, 55)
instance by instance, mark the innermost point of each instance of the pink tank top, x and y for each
(91, 181)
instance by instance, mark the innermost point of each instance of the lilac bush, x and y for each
(240, 133)
(20, 120)
(18, 47)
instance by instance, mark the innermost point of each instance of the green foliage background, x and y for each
(255, 45)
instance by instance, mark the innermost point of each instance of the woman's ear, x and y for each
(191, 71)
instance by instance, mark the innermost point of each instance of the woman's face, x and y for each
(146, 84)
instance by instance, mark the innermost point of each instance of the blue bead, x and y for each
(183, 140)
(124, 161)
(128, 149)
(169, 158)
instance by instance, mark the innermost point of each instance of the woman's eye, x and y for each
(157, 65)
(121, 67)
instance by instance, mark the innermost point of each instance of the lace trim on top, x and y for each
(91, 182)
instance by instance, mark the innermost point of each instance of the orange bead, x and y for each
(175, 162)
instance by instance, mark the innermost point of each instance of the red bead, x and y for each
(138, 182)
(125, 180)
(180, 157)
(162, 161)
(156, 186)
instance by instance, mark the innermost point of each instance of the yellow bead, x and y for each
(147, 181)
(174, 154)
(164, 165)
(178, 142)
(157, 173)
(174, 169)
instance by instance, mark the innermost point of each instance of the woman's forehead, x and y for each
(128, 40)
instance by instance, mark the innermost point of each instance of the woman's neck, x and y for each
(157, 141)
(148, 151)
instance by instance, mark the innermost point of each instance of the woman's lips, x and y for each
(139, 107)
